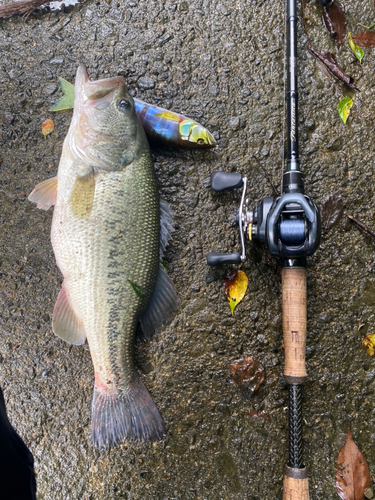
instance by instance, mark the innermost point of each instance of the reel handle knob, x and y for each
(223, 181)
(215, 258)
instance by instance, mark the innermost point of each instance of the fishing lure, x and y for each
(161, 125)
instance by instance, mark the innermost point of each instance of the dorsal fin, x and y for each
(161, 305)
(166, 226)
(163, 301)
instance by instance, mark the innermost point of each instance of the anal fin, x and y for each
(45, 193)
(65, 323)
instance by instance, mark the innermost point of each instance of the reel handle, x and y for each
(215, 258)
(225, 181)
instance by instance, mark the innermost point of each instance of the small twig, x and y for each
(367, 27)
(361, 225)
(360, 325)
(276, 193)
(21, 7)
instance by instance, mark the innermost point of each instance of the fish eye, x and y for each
(200, 141)
(123, 104)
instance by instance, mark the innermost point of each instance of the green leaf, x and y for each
(357, 51)
(67, 100)
(344, 108)
(137, 289)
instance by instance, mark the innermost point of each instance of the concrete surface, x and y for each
(222, 63)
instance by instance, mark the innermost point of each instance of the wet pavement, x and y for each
(222, 64)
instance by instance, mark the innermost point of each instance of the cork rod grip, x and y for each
(294, 323)
(296, 484)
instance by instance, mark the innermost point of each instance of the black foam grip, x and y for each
(215, 259)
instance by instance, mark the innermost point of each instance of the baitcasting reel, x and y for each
(289, 224)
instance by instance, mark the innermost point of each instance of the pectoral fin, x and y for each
(45, 193)
(65, 323)
(82, 195)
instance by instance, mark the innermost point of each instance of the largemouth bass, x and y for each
(109, 230)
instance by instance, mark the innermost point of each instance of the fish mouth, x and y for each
(99, 90)
(99, 93)
(82, 78)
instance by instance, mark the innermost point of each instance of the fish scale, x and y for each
(108, 233)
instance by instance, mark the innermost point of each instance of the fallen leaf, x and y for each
(248, 373)
(259, 414)
(235, 286)
(334, 19)
(357, 51)
(344, 107)
(47, 127)
(365, 39)
(369, 344)
(67, 100)
(352, 472)
(331, 210)
(329, 61)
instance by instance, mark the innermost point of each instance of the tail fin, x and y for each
(128, 414)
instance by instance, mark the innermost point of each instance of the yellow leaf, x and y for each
(369, 344)
(47, 127)
(235, 286)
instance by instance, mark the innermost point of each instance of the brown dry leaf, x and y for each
(352, 472)
(235, 286)
(330, 62)
(365, 39)
(334, 19)
(331, 210)
(47, 127)
(368, 343)
(248, 373)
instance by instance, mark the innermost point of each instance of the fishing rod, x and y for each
(290, 227)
